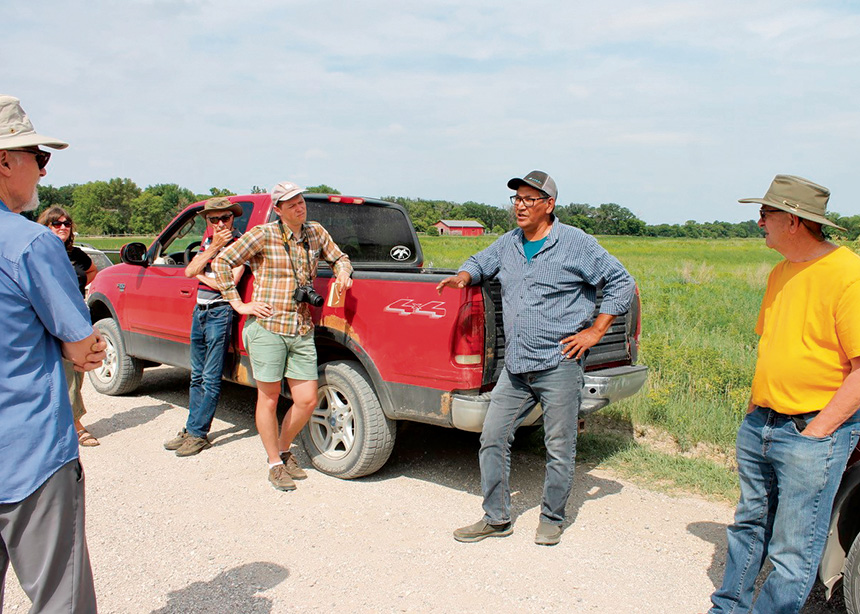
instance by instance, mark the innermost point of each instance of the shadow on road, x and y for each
(430, 453)
(127, 419)
(449, 457)
(231, 591)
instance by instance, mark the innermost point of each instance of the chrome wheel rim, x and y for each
(108, 370)
(332, 425)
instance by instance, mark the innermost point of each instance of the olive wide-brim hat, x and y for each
(220, 203)
(797, 196)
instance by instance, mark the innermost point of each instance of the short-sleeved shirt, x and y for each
(81, 263)
(552, 295)
(278, 272)
(809, 325)
(40, 305)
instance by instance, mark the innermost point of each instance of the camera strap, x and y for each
(285, 242)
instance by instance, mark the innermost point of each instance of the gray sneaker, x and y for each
(280, 478)
(548, 534)
(193, 445)
(481, 530)
(292, 465)
(176, 442)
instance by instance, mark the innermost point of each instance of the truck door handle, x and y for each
(185, 292)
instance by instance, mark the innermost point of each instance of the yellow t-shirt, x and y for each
(809, 325)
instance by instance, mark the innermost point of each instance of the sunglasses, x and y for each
(42, 157)
(58, 223)
(214, 219)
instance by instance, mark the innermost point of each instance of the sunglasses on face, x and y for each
(42, 157)
(214, 219)
(58, 224)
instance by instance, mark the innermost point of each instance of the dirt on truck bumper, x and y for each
(601, 388)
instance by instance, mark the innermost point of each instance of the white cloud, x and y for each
(636, 104)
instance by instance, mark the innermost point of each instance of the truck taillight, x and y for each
(347, 200)
(469, 333)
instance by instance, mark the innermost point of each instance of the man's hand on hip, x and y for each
(576, 345)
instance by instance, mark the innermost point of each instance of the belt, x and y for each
(800, 420)
(204, 307)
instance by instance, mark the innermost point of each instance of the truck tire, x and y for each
(348, 436)
(851, 578)
(120, 373)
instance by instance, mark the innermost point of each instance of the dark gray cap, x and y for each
(536, 179)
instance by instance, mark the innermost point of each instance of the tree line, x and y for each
(119, 206)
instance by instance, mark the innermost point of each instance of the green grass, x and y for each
(113, 242)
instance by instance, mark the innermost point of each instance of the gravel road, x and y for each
(207, 534)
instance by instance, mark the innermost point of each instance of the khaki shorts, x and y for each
(274, 357)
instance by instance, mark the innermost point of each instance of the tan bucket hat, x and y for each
(220, 203)
(799, 197)
(16, 129)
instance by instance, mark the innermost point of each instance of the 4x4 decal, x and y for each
(408, 307)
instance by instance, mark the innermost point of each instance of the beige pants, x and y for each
(74, 380)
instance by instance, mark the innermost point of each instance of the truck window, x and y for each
(189, 231)
(367, 232)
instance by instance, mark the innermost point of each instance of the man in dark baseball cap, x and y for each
(549, 273)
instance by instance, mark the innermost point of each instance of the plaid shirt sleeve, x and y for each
(240, 252)
(328, 249)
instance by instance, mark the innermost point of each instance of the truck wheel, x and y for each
(348, 435)
(851, 578)
(120, 373)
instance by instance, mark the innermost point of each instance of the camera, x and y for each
(306, 294)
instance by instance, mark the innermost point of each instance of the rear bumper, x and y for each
(601, 388)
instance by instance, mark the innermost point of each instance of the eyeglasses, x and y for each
(528, 201)
(763, 213)
(58, 223)
(42, 157)
(214, 219)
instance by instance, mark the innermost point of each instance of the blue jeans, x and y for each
(788, 483)
(210, 338)
(559, 391)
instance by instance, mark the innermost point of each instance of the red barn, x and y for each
(465, 228)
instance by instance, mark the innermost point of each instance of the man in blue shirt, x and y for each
(549, 273)
(44, 319)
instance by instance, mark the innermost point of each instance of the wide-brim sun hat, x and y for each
(220, 203)
(797, 196)
(16, 129)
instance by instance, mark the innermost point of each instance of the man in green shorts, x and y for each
(279, 336)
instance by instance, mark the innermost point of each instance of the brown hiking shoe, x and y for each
(176, 442)
(482, 530)
(292, 465)
(548, 534)
(193, 445)
(280, 478)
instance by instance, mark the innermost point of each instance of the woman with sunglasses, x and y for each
(61, 224)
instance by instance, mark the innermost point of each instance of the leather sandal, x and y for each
(86, 439)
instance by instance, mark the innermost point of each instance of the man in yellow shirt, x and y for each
(802, 421)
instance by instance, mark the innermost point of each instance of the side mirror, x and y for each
(134, 253)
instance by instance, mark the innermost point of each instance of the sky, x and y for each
(674, 110)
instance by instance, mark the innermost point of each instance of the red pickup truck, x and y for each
(395, 351)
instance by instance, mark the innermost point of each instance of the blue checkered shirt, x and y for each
(552, 296)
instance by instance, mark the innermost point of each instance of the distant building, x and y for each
(465, 228)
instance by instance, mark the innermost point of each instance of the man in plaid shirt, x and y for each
(280, 334)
